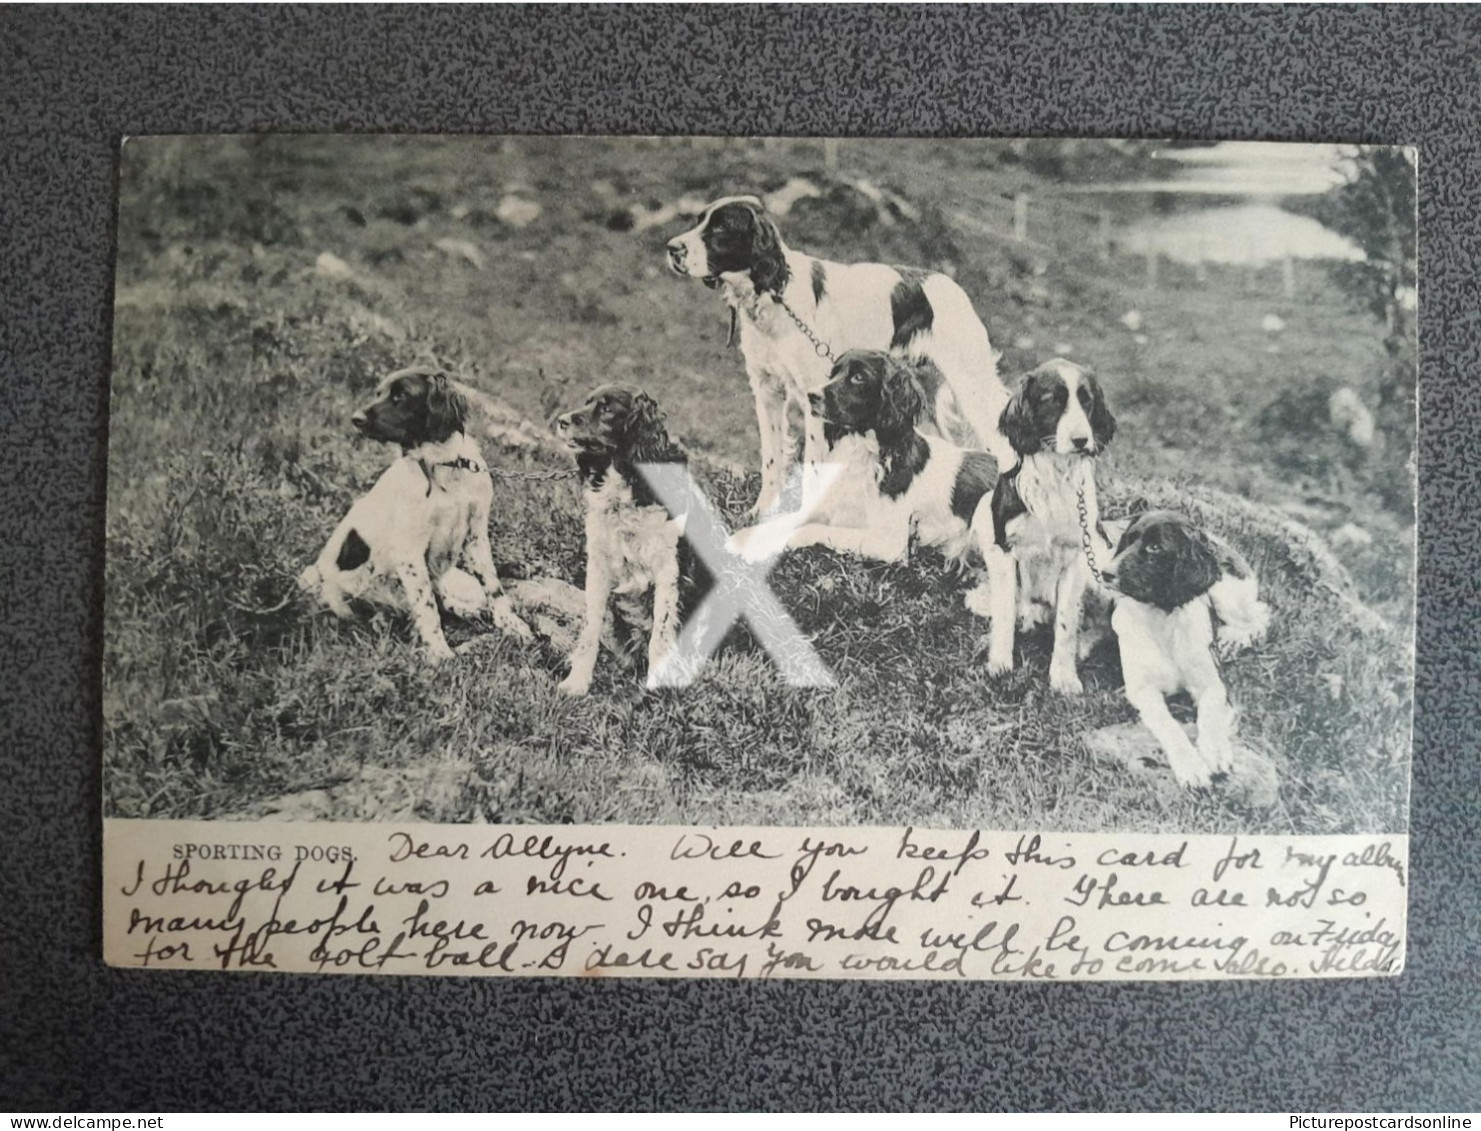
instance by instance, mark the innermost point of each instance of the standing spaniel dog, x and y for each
(1044, 511)
(898, 481)
(403, 542)
(792, 308)
(632, 542)
(1171, 583)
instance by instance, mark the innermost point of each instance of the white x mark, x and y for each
(740, 588)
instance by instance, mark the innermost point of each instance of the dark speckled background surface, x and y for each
(74, 1035)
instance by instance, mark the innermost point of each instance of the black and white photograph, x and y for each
(957, 484)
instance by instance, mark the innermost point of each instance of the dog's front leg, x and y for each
(1002, 587)
(589, 643)
(663, 644)
(480, 557)
(814, 452)
(421, 599)
(1188, 764)
(1215, 716)
(888, 541)
(1069, 596)
(776, 453)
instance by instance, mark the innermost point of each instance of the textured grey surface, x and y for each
(77, 1036)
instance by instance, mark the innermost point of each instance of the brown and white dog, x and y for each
(1179, 596)
(403, 542)
(898, 482)
(1044, 508)
(922, 315)
(633, 543)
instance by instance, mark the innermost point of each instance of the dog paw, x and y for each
(1066, 682)
(979, 600)
(439, 653)
(1191, 768)
(997, 666)
(753, 545)
(515, 627)
(573, 687)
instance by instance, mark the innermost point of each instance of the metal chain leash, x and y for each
(533, 476)
(1085, 539)
(820, 347)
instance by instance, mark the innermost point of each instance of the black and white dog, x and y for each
(419, 539)
(1044, 512)
(1179, 596)
(634, 546)
(897, 481)
(793, 309)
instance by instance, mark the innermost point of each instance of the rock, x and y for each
(461, 249)
(641, 218)
(1132, 320)
(517, 212)
(780, 203)
(1272, 323)
(331, 266)
(1253, 777)
(1351, 536)
(1350, 416)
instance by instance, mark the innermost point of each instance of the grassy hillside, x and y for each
(241, 348)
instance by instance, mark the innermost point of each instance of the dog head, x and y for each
(1059, 407)
(734, 236)
(412, 407)
(1163, 560)
(618, 422)
(870, 391)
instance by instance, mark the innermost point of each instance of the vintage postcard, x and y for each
(704, 557)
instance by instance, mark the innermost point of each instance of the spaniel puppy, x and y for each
(402, 543)
(1044, 510)
(792, 309)
(1170, 583)
(897, 481)
(632, 542)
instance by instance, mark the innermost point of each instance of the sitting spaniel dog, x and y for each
(1171, 583)
(633, 544)
(402, 543)
(796, 312)
(1044, 512)
(896, 481)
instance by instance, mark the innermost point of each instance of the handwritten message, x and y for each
(604, 901)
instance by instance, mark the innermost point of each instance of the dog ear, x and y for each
(901, 402)
(768, 265)
(1196, 567)
(1102, 423)
(1017, 425)
(447, 409)
(644, 433)
(1139, 506)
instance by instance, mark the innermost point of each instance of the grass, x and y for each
(236, 366)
